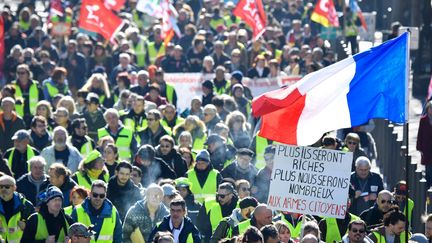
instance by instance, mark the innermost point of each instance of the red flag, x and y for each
(115, 5)
(2, 46)
(95, 17)
(252, 12)
(325, 13)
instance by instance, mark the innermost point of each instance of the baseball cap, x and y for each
(21, 135)
(401, 188)
(92, 156)
(79, 229)
(214, 138)
(208, 84)
(92, 98)
(245, 151)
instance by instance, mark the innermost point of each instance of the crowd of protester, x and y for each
(94, 146)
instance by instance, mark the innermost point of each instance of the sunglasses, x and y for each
(352, 143)
(165, 146)
(101, 195)
(150, 119)
(222, 196)
(21, 73)
(386, 201)
(83, 236)
(5, 187)
(271, 157)
(361, 231)
(245, 189)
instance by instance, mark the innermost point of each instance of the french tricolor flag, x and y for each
(371, 84)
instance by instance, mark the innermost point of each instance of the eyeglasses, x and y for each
(165, 146)
(21, 73)
(270, 157)
(222, 196)
(7, 187)
(100, 195)
(245, 189)
(361, 231)
(151, 119)
(83, 236)
(352, 143)
(386, 201)
(207, 114)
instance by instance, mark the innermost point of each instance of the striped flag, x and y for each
(325, 13)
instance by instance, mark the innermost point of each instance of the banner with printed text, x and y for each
(188, 85)
(310, 181)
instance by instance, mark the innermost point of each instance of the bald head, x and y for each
(384, 200)
(310, 238)
(263, 215)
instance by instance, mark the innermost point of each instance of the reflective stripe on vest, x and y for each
(260, 146)
(242, 226)
(153, 54)
(123, 141)
(178, 120)
(208, 191)
(140, 52)
(33, 98)
(30, 154)
(52, 90)
(10, 231)
(410, 209)
(107, 228)
(333, 233)
(42, 230)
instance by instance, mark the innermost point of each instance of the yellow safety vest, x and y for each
(108, 225)
(130, 123)
(140, 52)
(42, 230)
(84, 180)
(351, 30)
(122, 142)
(68, 210)
(33, 98)
(208, 191)
(52, 90)
(30, 154)
(260, 146)
(153, 53)
(410, 209)
(198, 143)
(229, 22)
(86, 148)
(295, 231)
(333, 234)
(224, 89)
(214, 23)
(381, 238)
(10, 231)
(242, 226)
(216, 215)
(178, 120)
(169, 93)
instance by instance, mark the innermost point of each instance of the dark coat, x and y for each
(234, 171)
(174, 161)
(158, 169)
(123, 197)
(188, 228)
(424, 140)
(29, 190)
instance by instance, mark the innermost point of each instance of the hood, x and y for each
(236, 216)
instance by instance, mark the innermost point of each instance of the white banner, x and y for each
(188, 85)
(310, 180)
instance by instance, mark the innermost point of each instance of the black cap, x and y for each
(245, 151)
(270, 149)
(208, 84)
(248, 202)
(93, 98)
(214, 138)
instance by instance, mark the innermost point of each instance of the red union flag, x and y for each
(95, 17)
(325, 13)
(252, 12)
(115, 5)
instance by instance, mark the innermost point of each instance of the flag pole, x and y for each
(406, 135)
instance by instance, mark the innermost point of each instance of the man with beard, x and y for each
(122, 192)
(356, 233)
(79, 138)
(135, 119)
(374, 215)
(98, 211)
(40, 137)
(178, 224)
(60, 151)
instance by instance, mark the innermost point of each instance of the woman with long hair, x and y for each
(197, 129)
(98, 83)
(44, 108)
(76, 197)
(260, 68)
(239, 129)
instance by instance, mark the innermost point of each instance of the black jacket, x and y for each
(158, 169)
(188, 228)
(372, 216)
(234, 171)
(174, 160)
(123, 197)
(28, 189)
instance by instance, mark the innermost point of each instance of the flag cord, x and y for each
(406, 135)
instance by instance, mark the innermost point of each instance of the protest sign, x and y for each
(188, 85)
(310, 180)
